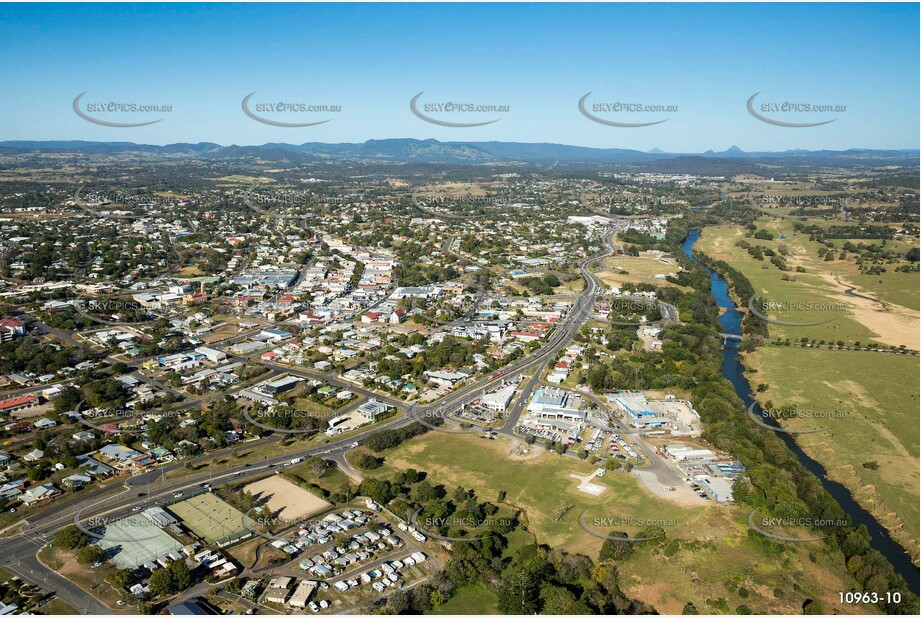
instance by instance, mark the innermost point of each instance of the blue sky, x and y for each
(538, 59)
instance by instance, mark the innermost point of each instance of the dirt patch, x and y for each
(285, 499)
(893, 324)
(520, 451)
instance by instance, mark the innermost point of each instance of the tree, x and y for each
(161, 582)
(518, 594)
(368, 462)
(616, 550)
(91, 554)
(399, 602)
(70, 537)
(122, 578)
(318, 466)
(181, 576)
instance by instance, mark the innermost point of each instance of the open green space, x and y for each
(469, 600)
(869, 403)
(892, 321)
(708, 544)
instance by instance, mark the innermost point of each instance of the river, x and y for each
(731, 323)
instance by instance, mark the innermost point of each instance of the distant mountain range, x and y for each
(434, 151)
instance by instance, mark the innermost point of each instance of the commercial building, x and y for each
(372, 409)
(302, 594)
(683, 452)
(282, 385)
(499, 400)
(555, 403)
(215, 356)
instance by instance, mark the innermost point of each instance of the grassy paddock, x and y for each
(894, 321)
(876, 397)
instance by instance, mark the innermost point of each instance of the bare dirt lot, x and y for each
(285, 499)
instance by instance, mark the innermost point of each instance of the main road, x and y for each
(152, 488)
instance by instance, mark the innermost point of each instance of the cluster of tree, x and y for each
(369, 462)
(390, 438)
(742, 290)
(174, 578)
(776, 481)
(449, 352)
(540, 285)
(30, 355)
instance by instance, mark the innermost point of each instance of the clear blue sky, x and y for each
(539, 59)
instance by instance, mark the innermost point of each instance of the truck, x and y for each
(296, 460)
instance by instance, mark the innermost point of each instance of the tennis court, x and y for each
(132, 541)
(211, 519)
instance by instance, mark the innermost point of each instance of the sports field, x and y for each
(285, 499)
(211, 519)
(134, 540)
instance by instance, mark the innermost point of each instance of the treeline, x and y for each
(390, 438)
(743, 289)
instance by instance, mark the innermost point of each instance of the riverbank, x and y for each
(871, 446)
(734, 372)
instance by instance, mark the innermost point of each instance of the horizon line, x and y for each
(651, 150)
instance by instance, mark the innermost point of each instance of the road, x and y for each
(115, 501)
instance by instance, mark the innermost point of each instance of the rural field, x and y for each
(472, 599)
(713, 543)
(623, 269)
(871, 445)
(892, 318)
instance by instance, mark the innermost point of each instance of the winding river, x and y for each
(731, 322)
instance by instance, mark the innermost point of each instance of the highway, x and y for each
(155, 488)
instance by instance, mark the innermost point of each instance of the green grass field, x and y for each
(624, 269)
(894, 321)
(715, 543)
(469, 600)
(878, 397)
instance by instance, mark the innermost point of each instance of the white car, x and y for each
(178, 494)
(313, 607)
